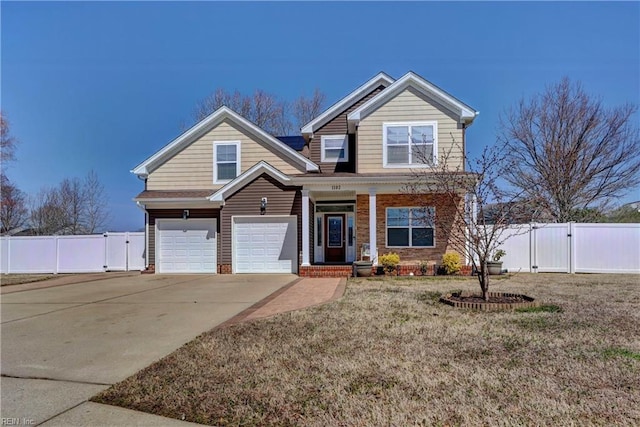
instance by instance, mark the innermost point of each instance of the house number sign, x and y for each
(335, 187)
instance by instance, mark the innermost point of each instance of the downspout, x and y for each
(146, 233)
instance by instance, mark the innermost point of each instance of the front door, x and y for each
(334, 250)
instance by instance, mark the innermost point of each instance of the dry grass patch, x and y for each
(388, 353)
(17, 279)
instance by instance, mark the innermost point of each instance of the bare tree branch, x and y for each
(7, 141)
(464, 199)
(13, 209)
(264, 109)
(307, 109)
(568, 152)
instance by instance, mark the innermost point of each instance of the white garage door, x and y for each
(265, 244)
(186, 246)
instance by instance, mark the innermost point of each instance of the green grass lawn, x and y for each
(388, 353)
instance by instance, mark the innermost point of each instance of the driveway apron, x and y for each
(62, 345)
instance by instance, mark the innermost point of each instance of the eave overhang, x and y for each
(204, 126)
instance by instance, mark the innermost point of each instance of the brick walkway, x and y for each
(303, 293)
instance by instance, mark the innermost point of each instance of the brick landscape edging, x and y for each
(489, 306)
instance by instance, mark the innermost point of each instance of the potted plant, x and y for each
(495, 266)
(362, 268)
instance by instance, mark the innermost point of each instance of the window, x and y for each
(410, 227)
(226, 161)
(335, 148)
(409, 144)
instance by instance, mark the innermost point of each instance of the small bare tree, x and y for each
(569, 153)
(471, 212)
(13, 209)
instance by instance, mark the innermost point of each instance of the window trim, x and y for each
(323, 157)
(410, 227)
(215, 161)
(431, 123)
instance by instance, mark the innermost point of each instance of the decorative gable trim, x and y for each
(381, 79)
(462, 110)
(204, 126)
(249, 175)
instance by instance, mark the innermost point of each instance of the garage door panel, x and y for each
(265, 244)
(186, 246)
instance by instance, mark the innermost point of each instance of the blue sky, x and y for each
(102, 86)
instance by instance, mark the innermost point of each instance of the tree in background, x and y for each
(13, 210)
(73, 207)
(306, 109)
(264, 109)
(569, 153)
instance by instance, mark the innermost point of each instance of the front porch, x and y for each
(343, 223)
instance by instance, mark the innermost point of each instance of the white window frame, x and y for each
(345, 145)
(410, 164)
(410, 227)
(215, 160)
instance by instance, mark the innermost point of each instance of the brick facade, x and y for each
(225, 269)
(445, 209)
(326, 271)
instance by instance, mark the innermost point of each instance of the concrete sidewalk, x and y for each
(47, 379)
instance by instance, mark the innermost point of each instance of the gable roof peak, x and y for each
(379, 79)
(466, 113)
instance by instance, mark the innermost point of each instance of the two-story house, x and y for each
(227, 197)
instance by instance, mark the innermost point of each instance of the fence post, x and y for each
(126, 251)
(572, 247)
(533, 250)
(8, 254)
(57, 240)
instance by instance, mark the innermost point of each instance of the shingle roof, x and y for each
(296, 142)
(175, 194)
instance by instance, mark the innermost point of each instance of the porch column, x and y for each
(305, 228)
(372, 226)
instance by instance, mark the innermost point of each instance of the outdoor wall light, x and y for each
(263, 206)
(185, 214)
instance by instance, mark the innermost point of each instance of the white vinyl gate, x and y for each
(572, 248)
(72, 254)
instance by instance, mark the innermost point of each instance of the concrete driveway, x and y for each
(61, 345)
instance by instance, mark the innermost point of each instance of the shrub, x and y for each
(390, 261)
(451, 263)
(424, 267)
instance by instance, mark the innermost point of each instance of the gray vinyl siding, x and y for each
(155, 214)
(338, 126)
(282, 200)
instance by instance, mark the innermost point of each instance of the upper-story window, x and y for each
(335, 148)
(226, 161)
(409, 144)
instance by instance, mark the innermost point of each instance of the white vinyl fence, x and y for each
(573, 248)
(72, 254)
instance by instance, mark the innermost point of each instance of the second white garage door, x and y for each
(265, 244)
